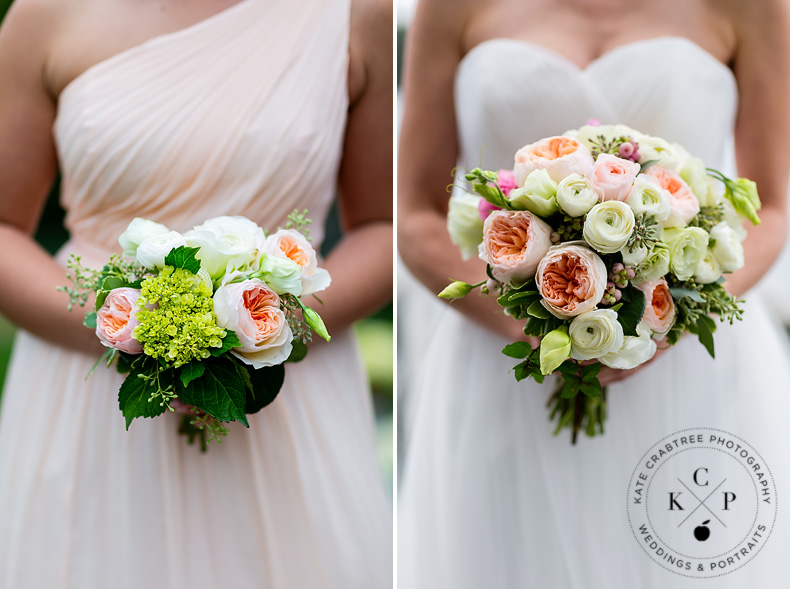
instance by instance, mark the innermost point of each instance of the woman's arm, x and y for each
(27, 169)
(361, 264)
(428, 150)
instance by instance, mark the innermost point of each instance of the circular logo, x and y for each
(702, 502)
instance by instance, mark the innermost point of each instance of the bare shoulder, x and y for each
(752, 20)
(370, 44)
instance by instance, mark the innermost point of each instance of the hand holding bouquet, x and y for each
(203, 321)
(603, 241)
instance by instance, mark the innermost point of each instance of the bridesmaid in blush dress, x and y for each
(250, 108)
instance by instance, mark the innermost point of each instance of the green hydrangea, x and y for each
(182, 325)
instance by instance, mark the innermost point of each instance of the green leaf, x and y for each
(570, 389)
(220, 391)
(705, 327)
(686, 293)
(646, 165)
(134, 394)
(537, 309)
(517, 350)
(112, 282)
(101, 296)
(298, 351)
(590, 371)
(592, 388)
(90, 320)
(231, 340)
(522, 371)
(266, 384)
(184, 257)
(630, 314)
(191, 371)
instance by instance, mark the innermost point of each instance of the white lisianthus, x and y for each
(708, 270)
(734, 219)
(464, 223)
(608, 226)
(137, 232)
(647, 197)
(687, 248)
(152, 250)
(695, 174)
(595, 334)
(728, 248)
(633, 352)
(634, 257)
(281, 274)
(654, 148)
(576, 195)
(292, 245)
(537, 195)
(655, 265)
(226, 244)
(252, 310)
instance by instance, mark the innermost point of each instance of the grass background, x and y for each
(375, 333)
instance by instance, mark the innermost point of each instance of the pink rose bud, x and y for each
(116, 320)
(485, 208)
(506, 181)
(626, 150)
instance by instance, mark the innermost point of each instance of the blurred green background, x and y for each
(375, 334)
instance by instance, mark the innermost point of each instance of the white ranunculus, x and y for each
(647, 197)
(576, 195)
(633, 351)
(292, 245)
(137, 231)
(152, 250)
(538, 195)
(226, 244)
(708, 270)
(734, 219)
(728, 248)
(634, 257)
(687, 248)
(669, 156)
(655, 265)
(464, 223)
(281, 274)
(257, 320)
(608, 226)
(595, 334)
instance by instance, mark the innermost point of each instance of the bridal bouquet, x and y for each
(202, 323)
(603, 241)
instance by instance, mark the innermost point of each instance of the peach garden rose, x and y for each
(571, 279)
(659, 306)
(116, 320)
(513, 244)
(683, 205)
(559, 156)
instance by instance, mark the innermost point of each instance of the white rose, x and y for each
(595, 334)
(226, 244)
(646, 197)
(608, 226)
(152, 250)
(537, 195)
(708, 270)
(137, 231)
(464, 223)
(633, 351)
(292, 245)
(576, 195)
(257, 320)
(728, 248)
(281, 274)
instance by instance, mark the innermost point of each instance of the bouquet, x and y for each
(602, 241)
(203, 323)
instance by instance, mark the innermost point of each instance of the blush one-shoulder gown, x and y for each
(240, 114)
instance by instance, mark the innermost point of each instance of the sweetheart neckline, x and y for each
(617, 50)
(147, 43)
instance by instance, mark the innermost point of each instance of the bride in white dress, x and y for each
(489, 498)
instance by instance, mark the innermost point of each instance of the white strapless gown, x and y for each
(490, 499)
